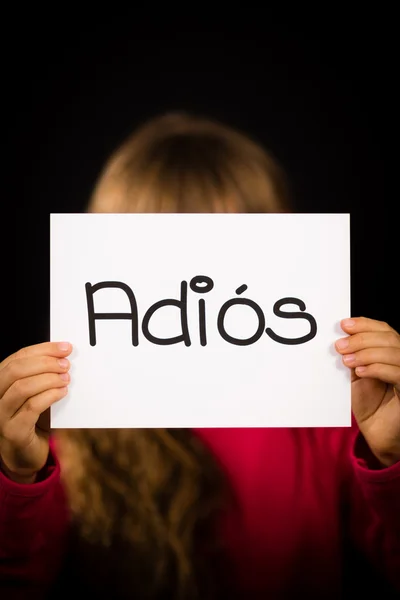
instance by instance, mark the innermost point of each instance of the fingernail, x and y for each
(341, 344)
(360, 369)
(64, 376)
(349, 358)
(348, 322)
(63, 362)
(63, 346)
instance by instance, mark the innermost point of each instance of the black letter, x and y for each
(196, 286)
(133, 315)
(182, 305)
(293, 315)
(247, 302)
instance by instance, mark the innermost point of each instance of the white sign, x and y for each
(201, 320)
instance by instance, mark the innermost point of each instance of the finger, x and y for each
(17, 428)
(360, 341)
(387, 356)
(57, 349)
(387, 373)
(20, 368)
(29, 387)
(358, 324)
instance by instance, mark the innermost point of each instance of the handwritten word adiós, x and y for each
(200, 285)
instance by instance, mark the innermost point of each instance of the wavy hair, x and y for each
(145, 502)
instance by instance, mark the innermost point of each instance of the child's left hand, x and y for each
(372, 351)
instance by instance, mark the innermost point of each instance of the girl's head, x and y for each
(180, 163)
(145, 501)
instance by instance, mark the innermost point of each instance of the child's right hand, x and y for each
(31, 380)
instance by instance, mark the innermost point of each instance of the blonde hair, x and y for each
(145, 502)
(182, 163)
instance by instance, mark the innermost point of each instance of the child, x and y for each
(207, 513)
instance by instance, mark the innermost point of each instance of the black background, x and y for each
(322, 97)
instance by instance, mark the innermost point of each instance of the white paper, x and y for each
(115, 383)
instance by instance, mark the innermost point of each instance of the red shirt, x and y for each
(303, 495)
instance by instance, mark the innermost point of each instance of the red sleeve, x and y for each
(33, 533)
(375, 510)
